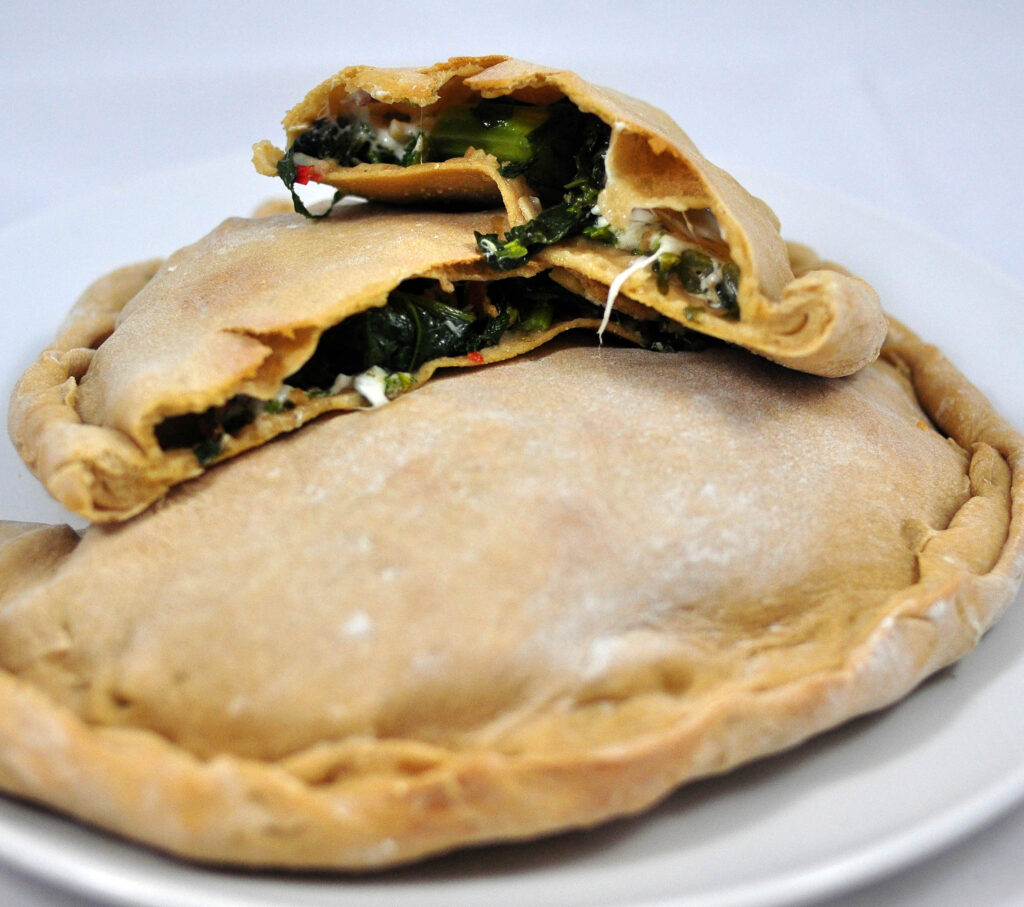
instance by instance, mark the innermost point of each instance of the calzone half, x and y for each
(530, 598)
(163, 369)
(588, 176)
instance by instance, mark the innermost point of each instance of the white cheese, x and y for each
(304, 160)
(711, 278)
(341, 383)
(283, 394)
(371, 385)
(384, 139)
(640, 221)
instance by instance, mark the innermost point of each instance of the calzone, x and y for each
(589, 176)
(163, 369)
(530, 598)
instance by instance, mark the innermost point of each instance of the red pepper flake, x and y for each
(478, 358)
(306, 172)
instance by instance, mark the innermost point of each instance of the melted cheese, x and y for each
(371, 385)
(665, 245)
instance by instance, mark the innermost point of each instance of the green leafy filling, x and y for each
(204, 431)
(418, 324)
(349, 142)
(557, 148)
(411, 329)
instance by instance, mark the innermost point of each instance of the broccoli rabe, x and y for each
(501, 128)
(573, 215)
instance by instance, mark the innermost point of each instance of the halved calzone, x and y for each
(161, 370)
(607, 184)
(530, 598)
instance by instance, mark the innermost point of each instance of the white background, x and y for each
(915, 108)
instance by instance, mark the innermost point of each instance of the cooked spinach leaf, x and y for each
(409, 330)
(347, 141)
(204, 432)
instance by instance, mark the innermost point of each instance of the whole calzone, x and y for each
(589, 178)
(528, 599)
(161, 370)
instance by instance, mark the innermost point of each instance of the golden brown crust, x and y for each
(544, 684)
(829, 324)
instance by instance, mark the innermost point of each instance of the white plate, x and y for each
(849, 807)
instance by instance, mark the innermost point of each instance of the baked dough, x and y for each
(136, 393)
(822, 322)
(530, 598)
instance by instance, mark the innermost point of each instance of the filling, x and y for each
(378, 354)
(558, 149)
